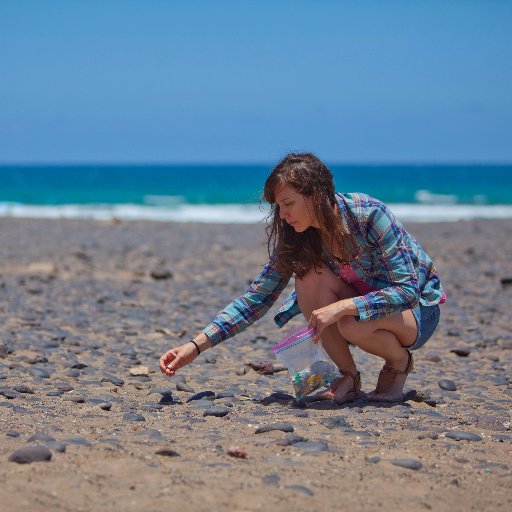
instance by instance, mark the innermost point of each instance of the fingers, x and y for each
(169, 362)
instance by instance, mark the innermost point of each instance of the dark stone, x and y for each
(453, 331)
(79, 366)
(461, 352)
(41, 436)
(312, 446)
(262, 367)
(64, 386)
(216, 411)
(112, 379)
(506, 281)
(210, 359)
(29, 454)
(180, 386)
(463, 436)
(407, 463)
(167, 452)
(373, 460)
(73, 373)
(284, 427)
(77, 399)
(12, 433)
(281, 398)
(55, 393)
(39, 372)
(290, 439)
(335, 422)
(203, 394)
(56, 446)
(272, 479)
(105, 406)
(301, 488)
(447, 385)
(78, 441)
(10, 394)
(133, 416)
(225, 394)
(161, 273)
(22, 388)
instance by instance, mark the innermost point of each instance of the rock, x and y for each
(463, 436)
(447, 385)
(312, 446)
(41, 436)
(506, 281)
(237, 452)
(55, 393)
(301, 488)
(160, 273)
(105, 406)
(407, 463)
(56, 446)
(137, 371)
(112, 379)
(133, 416)
(278, 397)
(453, 331)
(10, 394)
(373, 460)
(13, 433)
(21, 388)
(28, 454)
(77, 399)
(224, 394)
(272, 479)
(203, 394)
(210, 359)
(78, 441)
(284, 427)
(490, 422)
(461, 352)
(216, 411)
(39, 372)
(167, 452)
(184, 387)
(263, 367)
(64, 386)
(335, 422)
(290, 439)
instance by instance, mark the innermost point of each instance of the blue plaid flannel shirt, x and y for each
(389, 259)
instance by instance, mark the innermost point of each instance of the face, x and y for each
(294, 208)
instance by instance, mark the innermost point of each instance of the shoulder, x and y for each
(362, 206)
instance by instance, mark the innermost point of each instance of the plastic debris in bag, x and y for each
(309, 366)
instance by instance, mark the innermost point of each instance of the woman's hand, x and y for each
(176, 358)
(323, 317)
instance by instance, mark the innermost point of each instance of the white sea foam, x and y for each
(236, 213)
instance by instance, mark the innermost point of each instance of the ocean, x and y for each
(231, 193)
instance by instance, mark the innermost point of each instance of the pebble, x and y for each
(373, 460)
(105, 406)
(203, 394)
(301, 488)
(290, 439)
(29, 454)
(161, 273)
(461, 352)
(180, 386)
(74, 398)
(137, 371)
(216, 411)
(41, 436)
(133, 416)
(447, 385)
(237, 452)
(167, 452)
(10, 394)
(22, 388)
(55, 393)
(463, 436)
(407, 463)
(39, 372)
(78, 441)
(335, 422)
(210, 359)
(272, 479)
(312, 446)
(113, 380)
(284, 427)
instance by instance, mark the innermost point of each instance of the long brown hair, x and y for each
(297, 253)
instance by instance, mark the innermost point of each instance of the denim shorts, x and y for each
(427, 318)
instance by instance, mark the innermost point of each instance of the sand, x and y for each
(87, 308)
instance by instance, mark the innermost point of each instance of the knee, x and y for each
(349, 328)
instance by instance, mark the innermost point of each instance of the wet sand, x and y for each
(87, 308)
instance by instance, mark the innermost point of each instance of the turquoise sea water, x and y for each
(230, 193)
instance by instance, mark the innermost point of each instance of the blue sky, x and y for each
(247, 81)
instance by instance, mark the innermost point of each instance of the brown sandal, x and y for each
(388, 377)
(351, 395)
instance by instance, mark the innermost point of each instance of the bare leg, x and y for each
(385, 338)
(318, 289)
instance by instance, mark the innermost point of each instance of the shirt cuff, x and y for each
(364, 307)
(214, 334)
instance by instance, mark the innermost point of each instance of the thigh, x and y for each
(324, 279)
(403, 325)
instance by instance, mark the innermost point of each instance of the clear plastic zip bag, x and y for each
(309, 366)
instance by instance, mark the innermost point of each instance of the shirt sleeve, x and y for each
(249, 307)
(387, 237)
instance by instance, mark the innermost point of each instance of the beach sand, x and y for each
(80, 312)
